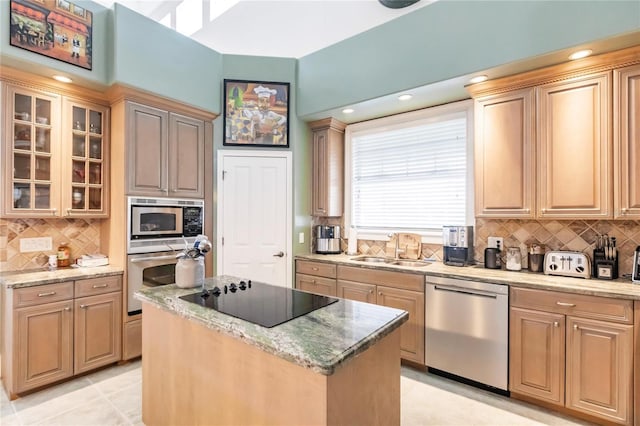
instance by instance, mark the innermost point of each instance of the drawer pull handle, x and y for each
(570, 305)
(556, 324)
(100, 285)
(67, 308)
(49, 293)
(315, 269)
(83, 306)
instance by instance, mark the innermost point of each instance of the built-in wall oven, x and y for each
(157, 230)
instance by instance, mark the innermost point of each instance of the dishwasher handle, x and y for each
(462, 290)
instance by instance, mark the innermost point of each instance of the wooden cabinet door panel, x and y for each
(97, 331)
(600, 369)
(537, 354)
(44, 336)
(626, 139)
(147, 141)
(412, 332)
(328, 168)
(575, 148)
(504, 155)
(317, 285)
(319, 195)
(186, 156)
(357, 291)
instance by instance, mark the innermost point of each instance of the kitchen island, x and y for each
(339, 364)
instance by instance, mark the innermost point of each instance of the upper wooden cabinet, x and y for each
(574, 148)
(626, 142)
(55, 155)
(165, 153)
(328, 168)
(545, 146)
(504, 155)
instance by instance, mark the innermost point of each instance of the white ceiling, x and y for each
(285, 28)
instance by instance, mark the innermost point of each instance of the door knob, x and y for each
(279, 254)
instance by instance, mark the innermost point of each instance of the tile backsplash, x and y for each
(82, 235)
(574, 235)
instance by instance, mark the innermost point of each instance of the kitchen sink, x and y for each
(371, 259)
(389, 261)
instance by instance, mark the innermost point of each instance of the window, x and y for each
(411, 172)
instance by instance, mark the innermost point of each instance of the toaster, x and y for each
(567, 264)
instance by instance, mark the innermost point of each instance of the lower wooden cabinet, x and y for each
(48, 335)
(43, 351)
(357, 291)
(317, 285)
(573, 351)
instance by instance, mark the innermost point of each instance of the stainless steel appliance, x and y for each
(457, 242)
(467, 330)
(492, 258)
(161, 224)
(635, 276)
(328, 239)
(567, 264)
(277, 304)
(148, 270)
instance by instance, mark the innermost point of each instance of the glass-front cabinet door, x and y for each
(31, 153)
(85, 167)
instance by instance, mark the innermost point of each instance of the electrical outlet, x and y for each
(497, 242)
(301, 238)
(35, 244)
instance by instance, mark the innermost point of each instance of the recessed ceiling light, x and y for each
(62, 78)
(580, 54)
(479, 79)
(405, 97)
(348, 110)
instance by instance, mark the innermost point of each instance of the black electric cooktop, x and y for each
(263, 304)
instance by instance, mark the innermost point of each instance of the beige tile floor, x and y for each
(113, 397)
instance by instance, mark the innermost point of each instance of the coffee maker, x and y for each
(457, 243)
(328, 239)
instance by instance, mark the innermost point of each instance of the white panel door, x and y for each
(254, 222)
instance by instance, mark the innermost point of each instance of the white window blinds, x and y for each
(411, 177)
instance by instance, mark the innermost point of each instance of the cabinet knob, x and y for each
(67, 308)
(313, 281)
(544, 210)
(575, 326)
(83, 306)
(556, 324)
(379, 293)
(625, 210)
(69, 211)
(370, 291)
(527, 210)
(314, 269)
(54, 211)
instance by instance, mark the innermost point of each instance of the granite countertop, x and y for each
(20, 279)
(621, 288)
(321, 341)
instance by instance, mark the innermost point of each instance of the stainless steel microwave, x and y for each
(156, 224)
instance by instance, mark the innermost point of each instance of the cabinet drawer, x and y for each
(316, 268)
(400, 280)
(40, 294)
(317, 285)
(603, 308)
(93, 286)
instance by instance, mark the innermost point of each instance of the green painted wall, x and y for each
(150, 56)
(451, 38)
(280, 70)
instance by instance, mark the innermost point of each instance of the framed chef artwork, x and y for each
(58, 29)
(256, 113)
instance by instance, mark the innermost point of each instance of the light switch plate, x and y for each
(301, 238)
(35, 244)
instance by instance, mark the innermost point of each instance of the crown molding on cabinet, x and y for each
(330, 122)
(564, 71)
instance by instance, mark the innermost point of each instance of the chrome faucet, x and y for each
(397, 250)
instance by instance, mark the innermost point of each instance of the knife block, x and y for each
(604, 269)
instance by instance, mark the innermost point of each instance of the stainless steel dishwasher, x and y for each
(467, 330)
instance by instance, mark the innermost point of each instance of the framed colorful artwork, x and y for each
(256, 113)
(63, 32)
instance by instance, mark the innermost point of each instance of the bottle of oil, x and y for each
(64, 255)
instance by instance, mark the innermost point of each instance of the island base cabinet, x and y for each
(44, 336)
(195, 375)
(600, 369)
(97, 331)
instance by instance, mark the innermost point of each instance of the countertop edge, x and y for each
(618, 289)
(15, 280)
